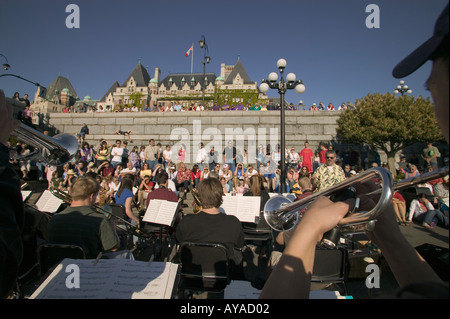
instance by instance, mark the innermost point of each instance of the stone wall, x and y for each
(246, 128)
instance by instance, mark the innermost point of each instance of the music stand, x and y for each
(157, 219)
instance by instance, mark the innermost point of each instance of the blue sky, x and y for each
(326, 42)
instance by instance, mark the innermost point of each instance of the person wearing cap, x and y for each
(228, 175)
(416, 279)
(69, 179)
(430, 155)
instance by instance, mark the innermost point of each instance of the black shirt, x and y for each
(211, 228)
(85, 227)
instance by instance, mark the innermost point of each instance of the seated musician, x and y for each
(163, 192)
(257, 189)
(80, 224)
(211, 226)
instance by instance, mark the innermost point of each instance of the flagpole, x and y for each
(192, 58)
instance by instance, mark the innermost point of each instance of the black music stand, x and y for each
(162, 231)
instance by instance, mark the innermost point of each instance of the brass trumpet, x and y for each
(55, 150)
(282, 214)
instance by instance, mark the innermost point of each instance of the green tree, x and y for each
(389, 123)
(136, 97)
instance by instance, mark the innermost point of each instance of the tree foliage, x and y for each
(389, 123)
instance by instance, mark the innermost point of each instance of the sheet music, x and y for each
(25, 195)
(48, 202)
(245, 208)
(238, 289)
(161, 212)
(110, 279)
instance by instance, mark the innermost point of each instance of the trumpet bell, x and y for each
(283, 214)
(278, 221)
(58, 156)
(55, 150)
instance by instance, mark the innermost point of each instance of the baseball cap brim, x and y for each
(417, 58)
(425, 52)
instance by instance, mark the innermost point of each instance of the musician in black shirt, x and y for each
(211, 226)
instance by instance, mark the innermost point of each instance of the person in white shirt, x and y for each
(167, 155)
(201, 156)
(113, 187)
(423, 211)
(129, 170)
(294, 158)
(117, 152)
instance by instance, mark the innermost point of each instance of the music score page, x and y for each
(109, 279)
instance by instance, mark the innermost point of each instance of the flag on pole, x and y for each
(189, 51)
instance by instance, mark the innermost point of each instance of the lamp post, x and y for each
(282, 86)
(206, 60)
(6, 66)
(402, 88)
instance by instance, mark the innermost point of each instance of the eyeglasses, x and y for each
(330, 157)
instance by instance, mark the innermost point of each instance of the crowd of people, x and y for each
(306, 169)
(209, 106)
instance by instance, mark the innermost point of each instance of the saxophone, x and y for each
(197, 207)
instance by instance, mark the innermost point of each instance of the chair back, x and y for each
(50, 254)
(117, 210)
(204, 266)
(330, 266)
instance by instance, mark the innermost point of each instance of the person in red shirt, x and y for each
(183, 180)
(195, 175)
(106, 169)
(322, 153)
(163, 192)
(307, 157)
